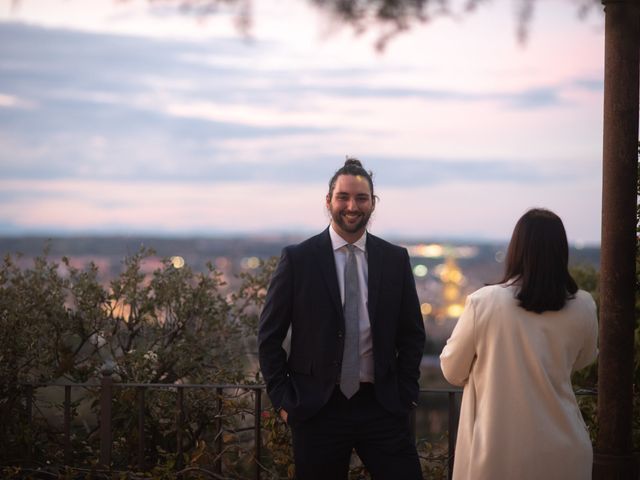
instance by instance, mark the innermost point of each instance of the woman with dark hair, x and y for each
(514, 349)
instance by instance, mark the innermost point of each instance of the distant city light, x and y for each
(420, 270)
(500, 255)
(435, 250)
(455, 310)
(426, 308)
(427, 251)
(250, 262)
(456, 276)
(253, 262)
(450, 292)
(444, 272)
(177, 261)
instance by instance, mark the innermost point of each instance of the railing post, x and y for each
(67, 425)
(140, 395)
(219, 434)
(106, 397)
(179, 427)
(258, 433)
(453, 431)
(29, 408)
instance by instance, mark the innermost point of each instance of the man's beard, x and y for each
(351, 228)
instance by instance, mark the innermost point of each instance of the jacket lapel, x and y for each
(374, 262)
(328, 267)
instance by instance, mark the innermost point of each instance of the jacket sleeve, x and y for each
(275, 320)
(410, 339)
(459, 353)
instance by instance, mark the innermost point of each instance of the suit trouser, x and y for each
(322, 445)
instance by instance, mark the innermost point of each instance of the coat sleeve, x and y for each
(589, 350)
(275, 320)
(410, 339)
(459, 353)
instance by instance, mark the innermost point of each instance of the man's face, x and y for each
(351, 206)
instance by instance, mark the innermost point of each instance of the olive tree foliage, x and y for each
(58, 324)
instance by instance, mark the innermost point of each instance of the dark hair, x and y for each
(352, 166)
(537, 262)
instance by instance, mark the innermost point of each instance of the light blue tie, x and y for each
(350, 373)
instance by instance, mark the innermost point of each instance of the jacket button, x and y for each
(340, 334)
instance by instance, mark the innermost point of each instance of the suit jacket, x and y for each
(303, 294)
(519, 417)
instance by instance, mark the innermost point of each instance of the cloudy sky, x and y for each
(121, 117)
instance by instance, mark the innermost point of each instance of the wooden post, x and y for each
(613, 457)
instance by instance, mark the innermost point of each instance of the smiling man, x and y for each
(357, 336)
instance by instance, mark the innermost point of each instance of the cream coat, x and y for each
(519, 418)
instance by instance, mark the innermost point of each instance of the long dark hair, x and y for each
(537, 262)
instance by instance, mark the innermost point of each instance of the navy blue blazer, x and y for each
(304, 294)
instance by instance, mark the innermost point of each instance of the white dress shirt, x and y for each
(340, 256)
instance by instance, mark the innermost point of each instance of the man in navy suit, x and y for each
(357, 337)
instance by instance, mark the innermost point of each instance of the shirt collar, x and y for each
(338, 242)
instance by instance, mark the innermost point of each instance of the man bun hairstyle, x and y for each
(352, 166)
(353, 161)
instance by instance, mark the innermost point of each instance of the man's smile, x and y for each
(352, 215)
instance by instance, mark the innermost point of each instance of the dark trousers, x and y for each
(323, 444)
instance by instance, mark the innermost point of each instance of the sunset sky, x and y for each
(130, 117)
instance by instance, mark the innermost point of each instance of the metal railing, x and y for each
(106, 395)
(106, 388)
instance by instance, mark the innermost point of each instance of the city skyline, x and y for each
(123, 118)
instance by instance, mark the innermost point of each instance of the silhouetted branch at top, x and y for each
(388, 17)
(396, 16)
(242, 9)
